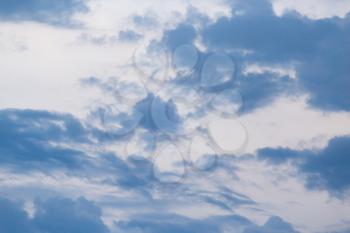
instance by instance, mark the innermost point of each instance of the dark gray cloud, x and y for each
(45, 11)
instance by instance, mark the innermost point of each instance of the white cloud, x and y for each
(46, 75)
(279, 190)
(291, 123)
(315, 9)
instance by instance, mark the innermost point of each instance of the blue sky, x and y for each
(181, 116)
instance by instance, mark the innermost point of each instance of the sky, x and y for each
(218, 116)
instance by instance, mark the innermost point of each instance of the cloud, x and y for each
(28, 139)
(182, 34)
(257, 29)
(327, 168)
(51, 12)
(152, 112)
(259, 90)
(106, 169)
(277, 155)
(61, 145)
(52, 216)
(106, 39)
(129, 36)
(322, 68)
(273, 225)
(71, 216)
(145, 21)
(326, 76)
(315, 9)
(58, 214)
(97, 39)
(47, 142)
(164, 223)
(169, 223)
(13, 218)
